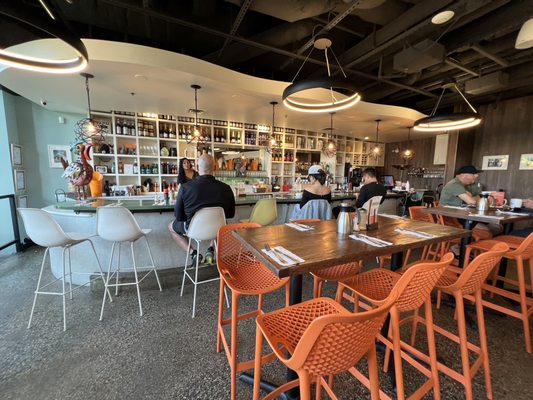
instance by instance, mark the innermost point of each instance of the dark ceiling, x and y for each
(272, 38)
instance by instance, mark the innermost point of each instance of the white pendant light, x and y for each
(524, 40)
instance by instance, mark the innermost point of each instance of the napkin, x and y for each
(487, 216)
(419, 234)
(283, 256)
(510, 213)
(299, 227)
(457, 207)
(391, 216)
(372, 241)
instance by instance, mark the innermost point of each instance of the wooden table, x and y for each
(323, 247)
(470, 215)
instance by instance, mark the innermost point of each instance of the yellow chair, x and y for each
(264, 212)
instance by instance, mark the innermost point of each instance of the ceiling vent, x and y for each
(418, 57)
(487, 83)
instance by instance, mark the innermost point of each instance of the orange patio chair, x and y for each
(244, 276)
(414, 288)
(320, 338)
(524, 297)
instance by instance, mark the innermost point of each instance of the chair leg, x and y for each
(118, 269)
(523, 302)
(233, 345)
(106, 284)
(38, 286)
(316, 287)
(69, 273)
(153, 264)
(373, 375)
(136, 279)
(414, 327)
(195, 283)
(257, 364)
(106, 289)
(221, 294)
(394, 323)
(63, 294)
(463, 343)
(432, 348)
(483, 342)
(305, 385)
(185, 267)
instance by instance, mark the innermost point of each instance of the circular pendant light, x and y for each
(448, 122)
(335, 86)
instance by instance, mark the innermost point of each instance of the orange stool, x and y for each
(414, 288)
(467, 283)
(335, 273)
(322, 338)
(244, 276)
(524, 252)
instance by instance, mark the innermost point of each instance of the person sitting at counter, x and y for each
(186, 172)
(371, 187)
(316, 189)
(204, 191)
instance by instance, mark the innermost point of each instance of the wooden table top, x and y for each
(323, 246)
(470, 213)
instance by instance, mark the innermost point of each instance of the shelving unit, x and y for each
(143, 143)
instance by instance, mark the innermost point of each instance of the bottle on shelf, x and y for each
(135, 167)
(120, 167)
(125, 128)
(113, 168)
(118, 127)
(143, 170)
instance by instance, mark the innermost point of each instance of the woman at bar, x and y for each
(316, 189)
(186, 172)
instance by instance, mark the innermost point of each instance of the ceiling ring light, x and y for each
(330, 83)
(448, 122)
(51, 66)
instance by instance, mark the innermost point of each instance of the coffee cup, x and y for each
(516, 203)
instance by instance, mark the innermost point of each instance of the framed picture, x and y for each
(22, 201)
(495, 162)
(101, 168)
(16, 155)
(58, 152)
(526, 161)
(20, 180)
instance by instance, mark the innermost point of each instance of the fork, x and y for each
(369, 239)
(280, 255)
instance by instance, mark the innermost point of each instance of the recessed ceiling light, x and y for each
(234, 96)
(367, 137)
(140, 76)
(442, 17)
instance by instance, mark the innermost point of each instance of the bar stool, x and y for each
(46, 232)
(117, 224)
(244, 276)
(321, 338)
(204, 226)
(467, 283)
(265, 212)
(414, 288)
(520, 254)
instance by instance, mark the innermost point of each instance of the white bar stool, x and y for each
(204, 226)
(116, 224)
(46, 232)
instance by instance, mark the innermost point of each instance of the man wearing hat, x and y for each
(462, 188)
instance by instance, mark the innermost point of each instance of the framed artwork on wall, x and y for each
(499, 162)
(526, 161)
(20, 180)
(56, 153)
(16, 155)
(22, 201)
(101, 168)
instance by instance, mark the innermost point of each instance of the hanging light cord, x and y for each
(88, 96)
(438, 102)
(464, 98)
(377, 132)
(196, 107)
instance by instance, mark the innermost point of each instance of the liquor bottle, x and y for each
(155, 169)
(120, 167)
(171, 133)
(148, 169)
(118, 127)
(113, 168)
(143, 170)
(133, 131)
(125, 128)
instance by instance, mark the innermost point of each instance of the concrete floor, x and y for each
(167, 355)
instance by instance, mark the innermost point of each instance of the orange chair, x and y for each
(524, 252)
(321, 338)
(467, 283)
(414, 288)
(244, 276)
(335, 273)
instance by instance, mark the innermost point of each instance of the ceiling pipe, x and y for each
(460, 66)
(484, 52)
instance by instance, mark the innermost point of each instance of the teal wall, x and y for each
(34, 127)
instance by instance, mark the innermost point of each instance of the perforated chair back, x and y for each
(264, 212)
(42, 228)
(415, 212)
(205, 223)
(117, 224)
(332, 343)
(475, 273)
(525, 250)
(416, 284)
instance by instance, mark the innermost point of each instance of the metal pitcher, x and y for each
(344, 220)
(484, 204)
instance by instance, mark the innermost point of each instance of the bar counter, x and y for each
(81, 217)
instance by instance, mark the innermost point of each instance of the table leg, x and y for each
(464, 241)
(396, 261)
(502, 269)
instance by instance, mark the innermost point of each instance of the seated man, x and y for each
(204, 191)
(371, 187)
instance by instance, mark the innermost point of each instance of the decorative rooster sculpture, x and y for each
(79, 172)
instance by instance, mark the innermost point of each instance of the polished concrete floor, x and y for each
(167, 355)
